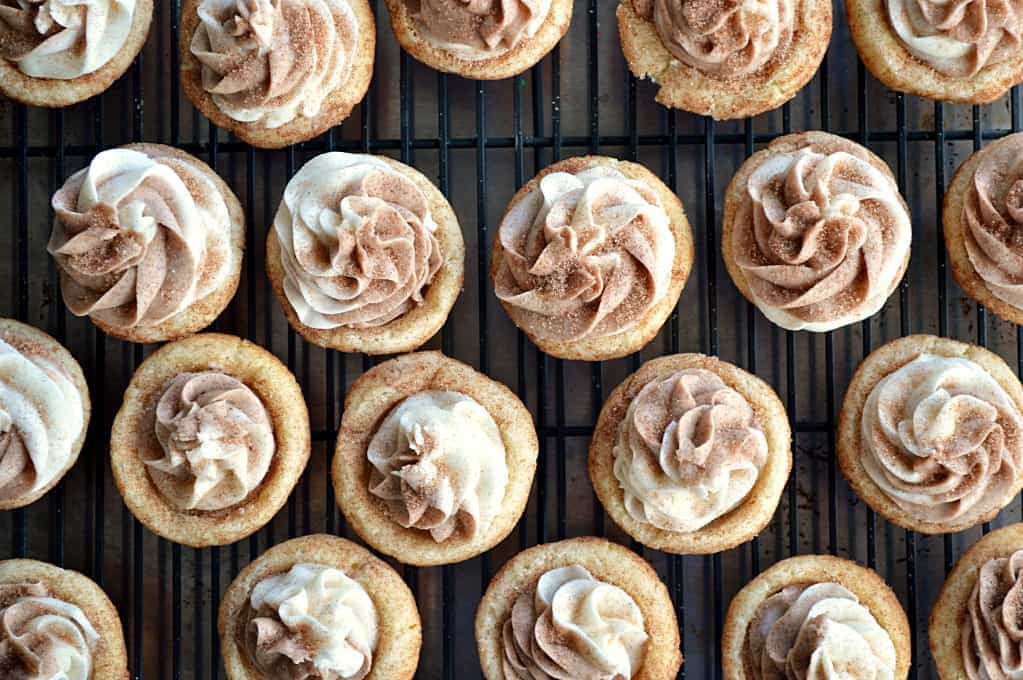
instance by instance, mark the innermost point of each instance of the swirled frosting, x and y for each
(821, 236)
(269, 61)
(63, 39)
(439, 463)
(992, 638)
(41, 419)
(43, 637)
(139, 237)
(942, 439)
(573, 626)
(723, 38)
(992, 220)
(478, 29)
(216, 441)
(358, 242)
(958, 38)
(586, 255)
(689, 450)
(817, 631)
(311, 623)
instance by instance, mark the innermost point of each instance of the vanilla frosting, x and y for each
(215, 438)
(41, 419)
(358, 242)
(992, 637)
(586, 255)
(139, 237)
(689, 450)
(941, 439)
(723, 38)
(475, 30)
(439, 463)
(817, 631)
(43, 637)
(958, 38)
(572, 625)
(992, 220)
(311, 623)
(270, 61)
(63, 39)
(821, 235)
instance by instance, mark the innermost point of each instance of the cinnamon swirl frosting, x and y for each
(572, 625)
(992, 637)
(271, 61)
(139, 237)
(478, 29)
(820, 234)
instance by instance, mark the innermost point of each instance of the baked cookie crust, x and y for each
(370, 400)
(282, 398)
(608, 562)
(637, 337)
(419, 324)
(734, 527)
(399, 629)
(866, 584)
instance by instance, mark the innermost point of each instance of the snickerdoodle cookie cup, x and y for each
(706, 58)
(434, 460)
(211, 437)
(532, 597)
(365, 614)
(838, 610)
(365, 254)
(729, 456)
(931, 433)
(591, 256)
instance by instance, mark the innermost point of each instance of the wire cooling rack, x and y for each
(480, 141)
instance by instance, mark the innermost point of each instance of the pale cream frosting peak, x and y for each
(992, 636)
(572, 625)
(475, 30)
(63, 39)
(942, 440)
(358, 242)
(271, 61)
(215, 438)
(43, 637)
(139, 238)
(821, 235)
(585, 255)
(41, 419)
(311, 623)
(440, 465)
(817, 631)
(689, 450)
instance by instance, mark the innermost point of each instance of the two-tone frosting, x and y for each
(820, 235)
(63, 39)
(272, 61)
(958, 39)
(819, 631)
(139, 237)
(689, 450)
(586, 255)
(572, 625)
(358, 242)
(476, 30)
(312, 622)
(942, 440)
(439, 463)
(216, 441)
(44, 637)
(992, 633)
(41, 419)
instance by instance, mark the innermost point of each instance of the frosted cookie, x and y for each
(365, 254)
(211, 437)
(591, 256)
